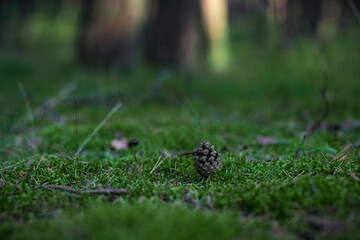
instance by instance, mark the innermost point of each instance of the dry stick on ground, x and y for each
(41, 159)
(312, 126)
(344, 153)
(298, 175)
(98, 191)
(299, 148)
(187, 154)
(157, 164)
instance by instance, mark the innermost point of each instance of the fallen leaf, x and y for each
(345, 125)
(28, 163)
(120, 144)
(350, 124)
(2, 183)
(265, 140)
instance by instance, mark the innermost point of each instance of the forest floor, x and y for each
(129, 180)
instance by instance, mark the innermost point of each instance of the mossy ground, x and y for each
(261, 192)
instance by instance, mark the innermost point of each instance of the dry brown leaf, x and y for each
(28, 163)
(120, 144)
(123, 143)
(2, 183)
(265, 140)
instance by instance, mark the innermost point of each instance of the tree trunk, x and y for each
(303, 16)
(109, 30)
(171, 33)
(215, 18)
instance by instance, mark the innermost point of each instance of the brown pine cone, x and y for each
(207, 160)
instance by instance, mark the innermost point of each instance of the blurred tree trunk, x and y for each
(171, 33)
(303, 16)
(109, 30)
(1, 20)
(215, 18)
(332, 11)
(18, 10)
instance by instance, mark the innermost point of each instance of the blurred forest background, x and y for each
(286, 45)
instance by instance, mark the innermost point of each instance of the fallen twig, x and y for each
(315, 125)
(344, 153)
(65, 188)
(41, 159)
(187, 154)
(106, 191)
(98, 191)
(298, 175)
(157, 164)
(312, 126)
(299, 148)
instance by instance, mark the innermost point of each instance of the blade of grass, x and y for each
(27, 102)
(115, 108)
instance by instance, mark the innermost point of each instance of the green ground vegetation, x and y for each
(284, 189)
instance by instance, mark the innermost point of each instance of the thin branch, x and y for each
(106, 191)
(72, 190)
(65, 188)
(76, 123)
(299, 148)
(157, 164)
(298, 175)
(312, 126)
(187, 154)
(41, 159)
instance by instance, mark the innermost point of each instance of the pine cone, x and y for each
(207, 160)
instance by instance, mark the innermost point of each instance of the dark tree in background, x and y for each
(315, 17)
(14, 15)
(109, 31)
(171, 32)
(302, 16)
(14, 10)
